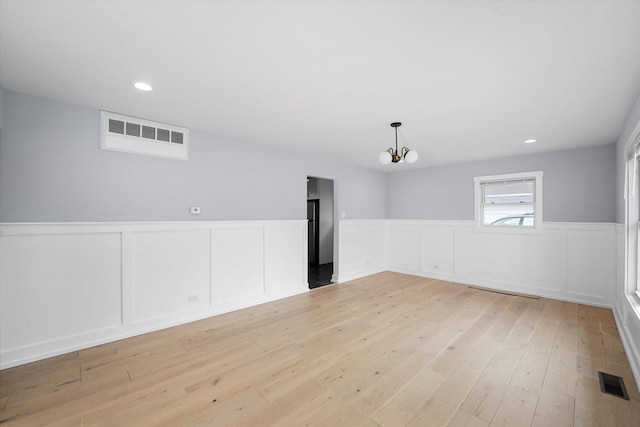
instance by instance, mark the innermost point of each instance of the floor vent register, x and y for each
(612, 384)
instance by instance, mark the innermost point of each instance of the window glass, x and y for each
(509, 201)
(511, 220)
(507, 192)
(632, 222)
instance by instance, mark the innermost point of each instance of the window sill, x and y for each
(634, 301)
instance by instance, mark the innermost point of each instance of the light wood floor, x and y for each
(387, 350)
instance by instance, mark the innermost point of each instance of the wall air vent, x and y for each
(138, 136)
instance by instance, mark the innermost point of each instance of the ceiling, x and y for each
(469, 80)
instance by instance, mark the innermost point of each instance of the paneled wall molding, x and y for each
(41, 228)
(362, 248)
(626, 309)
(573, 262)
(69, 286)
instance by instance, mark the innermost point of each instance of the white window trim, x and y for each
(537, 223)
(631, 198)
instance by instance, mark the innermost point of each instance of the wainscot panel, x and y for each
(590, 263)
(362, 248)
(283, 243)
(404, 245)
(566, 261)
(239, 263)
(69, 286)
(438, 248)
(626, 309)
(170, 272)
(55, 287)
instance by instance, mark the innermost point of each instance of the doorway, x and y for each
(320, 217)
(313, 219)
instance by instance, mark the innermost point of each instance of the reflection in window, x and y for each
(510, 200)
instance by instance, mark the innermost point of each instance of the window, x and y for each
(632, 220)
(511, 201)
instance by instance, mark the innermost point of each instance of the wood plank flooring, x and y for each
(386, 350)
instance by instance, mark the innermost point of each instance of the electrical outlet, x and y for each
(436, 266)
(195, 210)
(193, 298)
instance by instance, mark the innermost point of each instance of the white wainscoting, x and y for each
(69, 286)
(362, 248)
(65, 287)
(626, 310)
(566, 261)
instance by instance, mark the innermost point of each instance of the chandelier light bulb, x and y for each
(385, 158)
(411, 156)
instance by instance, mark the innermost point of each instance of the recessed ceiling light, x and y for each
(143, 86)
(530, 141)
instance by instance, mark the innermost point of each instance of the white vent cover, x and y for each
(138, 136)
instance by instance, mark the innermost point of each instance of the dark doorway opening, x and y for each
(320, 275)
(320, 216)
(313, 218)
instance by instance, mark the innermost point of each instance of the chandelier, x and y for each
(393, 156)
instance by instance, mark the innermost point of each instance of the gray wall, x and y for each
(52, 169)
(632, 119)
(579, 185)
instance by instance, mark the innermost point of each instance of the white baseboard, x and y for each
(40, 351)
(342, 278)
(630, 347)
(510, 287)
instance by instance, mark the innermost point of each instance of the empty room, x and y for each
(330, 213)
